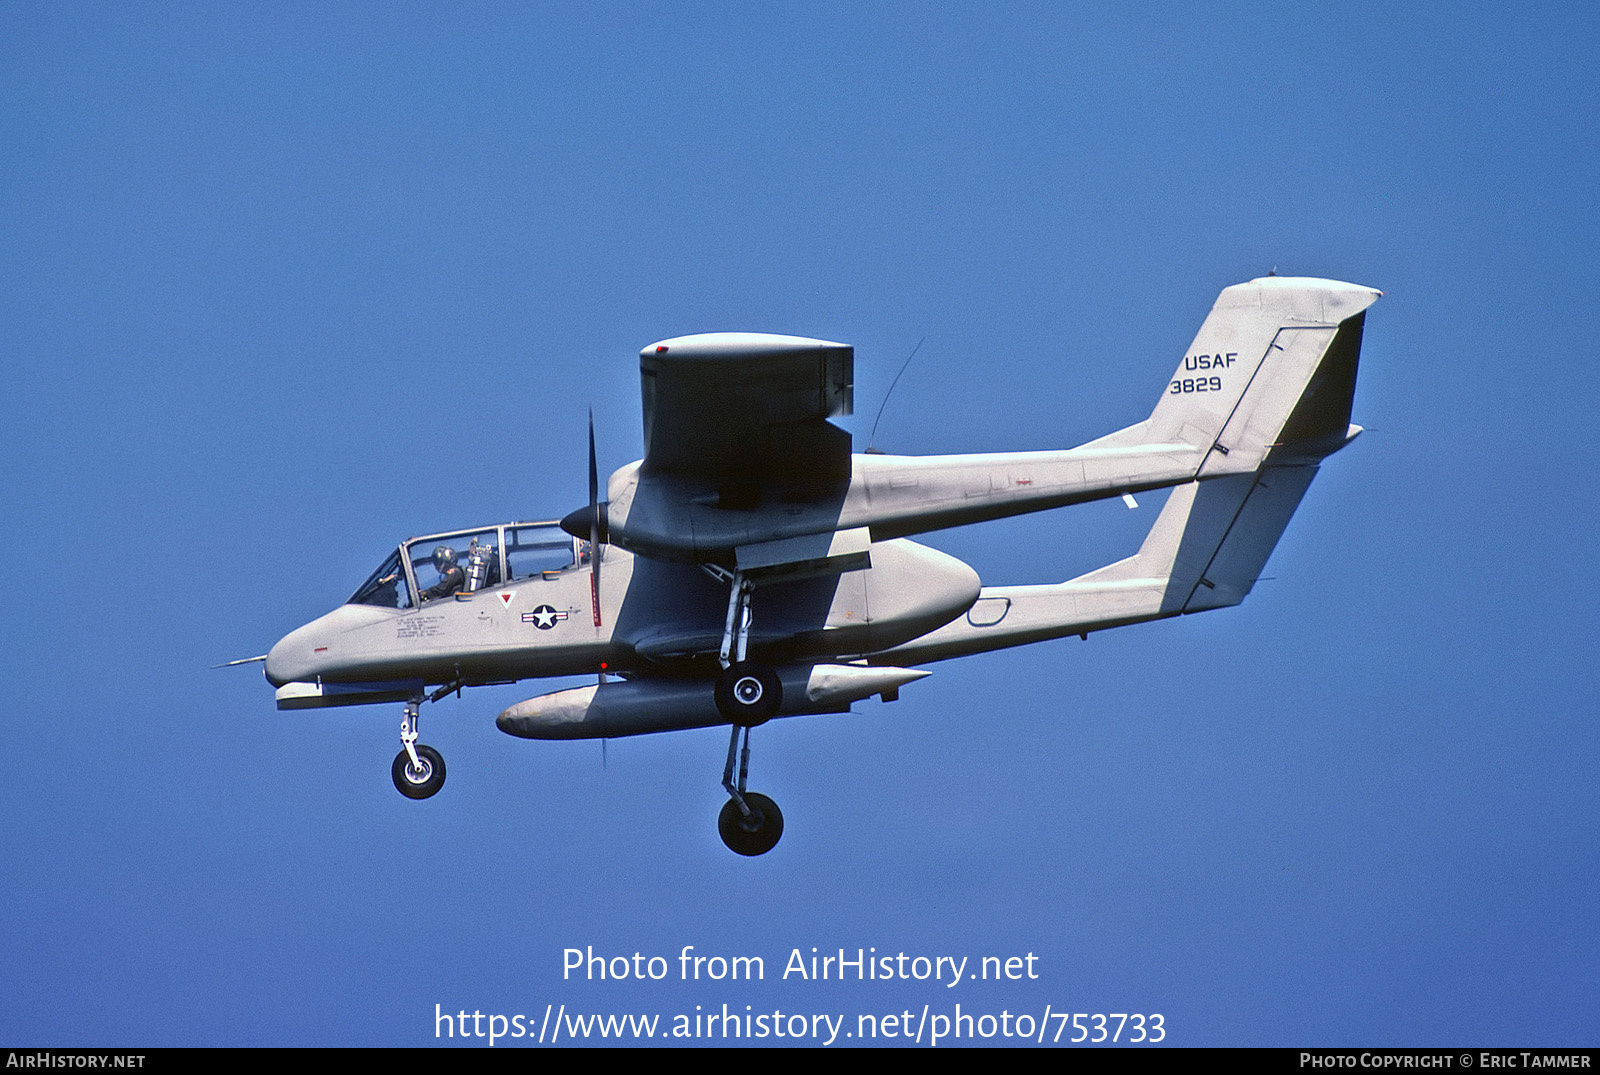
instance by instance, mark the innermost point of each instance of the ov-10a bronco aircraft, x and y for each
(750, 566)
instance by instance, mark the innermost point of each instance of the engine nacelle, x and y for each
(636, 707)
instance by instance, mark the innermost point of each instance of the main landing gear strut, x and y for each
(748, 694)
(750, 823)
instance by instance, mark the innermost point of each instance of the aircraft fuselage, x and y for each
(657, 616)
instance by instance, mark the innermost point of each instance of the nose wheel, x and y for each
(419, 779)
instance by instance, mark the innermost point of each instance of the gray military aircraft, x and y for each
(750, 566)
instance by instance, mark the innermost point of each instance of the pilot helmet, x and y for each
(443, 557)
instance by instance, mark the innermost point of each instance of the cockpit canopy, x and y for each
(465, 561)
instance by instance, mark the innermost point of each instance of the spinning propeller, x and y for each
(589, 523)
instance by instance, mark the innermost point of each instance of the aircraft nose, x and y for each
(325, 646)
(290, 661)
(276, 664)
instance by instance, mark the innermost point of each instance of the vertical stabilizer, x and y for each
(1207, 547)
(1206, 550)
(1261, 352)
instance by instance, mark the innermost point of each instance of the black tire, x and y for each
(414, 784)
(756, 836)
(749, 694)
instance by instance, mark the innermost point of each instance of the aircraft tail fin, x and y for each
(1274, 362)
(1206, 550)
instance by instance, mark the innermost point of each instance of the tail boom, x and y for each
(1273, 366)
(1206, 550)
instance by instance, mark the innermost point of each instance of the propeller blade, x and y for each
(594, 473)
(594, 525)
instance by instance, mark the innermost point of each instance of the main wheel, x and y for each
(755, 835)
(749, 694)
(418, 782)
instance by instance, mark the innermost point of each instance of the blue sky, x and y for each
(282, 287)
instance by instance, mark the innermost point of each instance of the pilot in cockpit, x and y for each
(451, 577)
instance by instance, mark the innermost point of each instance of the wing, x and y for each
(747, 410)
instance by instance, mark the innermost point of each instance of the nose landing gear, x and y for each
(418, 769)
